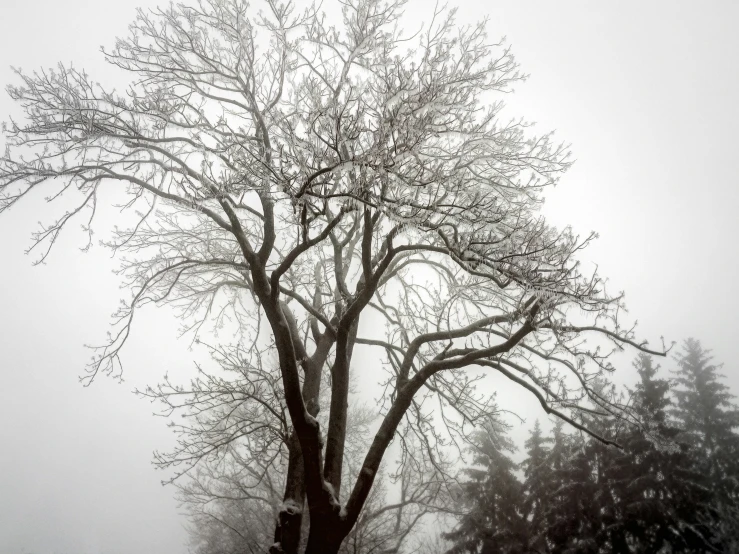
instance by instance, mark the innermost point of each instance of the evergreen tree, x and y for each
(559, 454)
(494, 522)
(659, 497)
(672, 488)
(704, 411)
(707, 418)
(537, 487)
(574, 510)
(558, 516)
(583, 504)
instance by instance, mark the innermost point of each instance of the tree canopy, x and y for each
(281, 177)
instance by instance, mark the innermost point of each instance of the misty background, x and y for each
(645, 93)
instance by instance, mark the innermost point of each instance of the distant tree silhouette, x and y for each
(538, 486)
(495, 522)
(660, 496)
(707, 419)
(669, 488)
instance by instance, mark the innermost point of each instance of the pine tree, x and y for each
(704, 411)
(672, 488)
(573, 489)
(494, 522)
(560, 454)
(659, 497)
(575, 508)
(537, 487)
(707, 418)
(583, 504)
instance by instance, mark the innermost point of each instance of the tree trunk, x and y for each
(325, 536)
(290, 518)
(336, 435)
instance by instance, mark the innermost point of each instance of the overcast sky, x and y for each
(645, 92)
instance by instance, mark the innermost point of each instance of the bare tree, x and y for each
(230, 512)
(230, 509)
(233, 490)
(291, 176)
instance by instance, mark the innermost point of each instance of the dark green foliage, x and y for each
(673, 487)
(583, 499)
(560, 522)
(660, 497)
(495, 523)
(537, 487)
(706, 415)
(707, 419)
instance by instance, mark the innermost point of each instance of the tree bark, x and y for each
(326, 534)
(290, 518)
(336, 435)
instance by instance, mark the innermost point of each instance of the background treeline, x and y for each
(672, 488)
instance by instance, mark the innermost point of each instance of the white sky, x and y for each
(645, 92)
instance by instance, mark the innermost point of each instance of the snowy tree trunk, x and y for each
(290, 517)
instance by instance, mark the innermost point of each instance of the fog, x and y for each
(645, 93)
